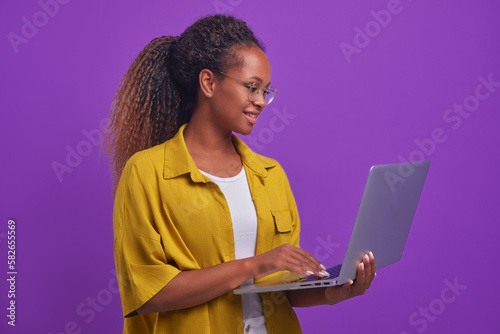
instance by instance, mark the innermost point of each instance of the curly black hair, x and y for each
(159, 91)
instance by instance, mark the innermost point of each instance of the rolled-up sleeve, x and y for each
(140, 259)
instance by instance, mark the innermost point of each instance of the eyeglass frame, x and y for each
(259, 93)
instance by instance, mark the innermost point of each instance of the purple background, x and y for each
(345, 113)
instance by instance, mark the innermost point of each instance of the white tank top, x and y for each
(244, 218)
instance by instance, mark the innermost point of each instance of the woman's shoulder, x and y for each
(148, 158)
(267, 161)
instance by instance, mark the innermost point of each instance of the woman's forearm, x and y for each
(309, 297)
(195, 287)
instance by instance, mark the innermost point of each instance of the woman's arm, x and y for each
(195, 287)
(336, 294)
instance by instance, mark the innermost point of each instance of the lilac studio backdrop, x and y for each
(360, 83)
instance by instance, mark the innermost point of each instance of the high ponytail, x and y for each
(159, 91)
(145, 109)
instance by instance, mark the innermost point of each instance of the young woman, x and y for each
(197, 213)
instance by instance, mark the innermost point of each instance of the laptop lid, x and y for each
(385, 214)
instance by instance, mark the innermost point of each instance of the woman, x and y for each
(197, 213)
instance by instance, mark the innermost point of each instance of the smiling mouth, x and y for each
(251, 115)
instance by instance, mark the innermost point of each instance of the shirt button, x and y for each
(247, 329)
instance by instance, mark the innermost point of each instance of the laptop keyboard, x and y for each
(333, 271)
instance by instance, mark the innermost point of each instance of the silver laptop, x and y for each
(382, 225)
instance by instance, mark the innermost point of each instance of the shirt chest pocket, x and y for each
(282, 227)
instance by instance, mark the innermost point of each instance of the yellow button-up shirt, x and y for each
(169, 217)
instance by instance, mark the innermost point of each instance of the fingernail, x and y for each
(375, 274)
(351, 282)
(362, 266)
(371, 254)
(324, 273)
(309, 272)
(322, 266)
(366, 258)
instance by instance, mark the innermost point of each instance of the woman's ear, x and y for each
(207, 82)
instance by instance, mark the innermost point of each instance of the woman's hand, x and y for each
(364, 278)
(286, 257)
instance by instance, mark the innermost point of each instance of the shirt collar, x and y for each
(178, 161)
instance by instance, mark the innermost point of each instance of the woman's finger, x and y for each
(368, 271)
(303, 262)
(294, 259)
(370, 275)
(373, 264)
(309, 258)
(360, 278)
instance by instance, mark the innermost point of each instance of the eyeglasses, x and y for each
(254, 92)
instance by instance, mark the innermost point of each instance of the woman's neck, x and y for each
(203, 137)
(212, 150)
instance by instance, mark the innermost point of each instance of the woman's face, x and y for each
(233, 110)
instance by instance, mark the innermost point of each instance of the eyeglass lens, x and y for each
(254, 94)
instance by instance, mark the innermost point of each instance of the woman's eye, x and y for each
(253, 89)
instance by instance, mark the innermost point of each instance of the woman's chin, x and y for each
(245, 132)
